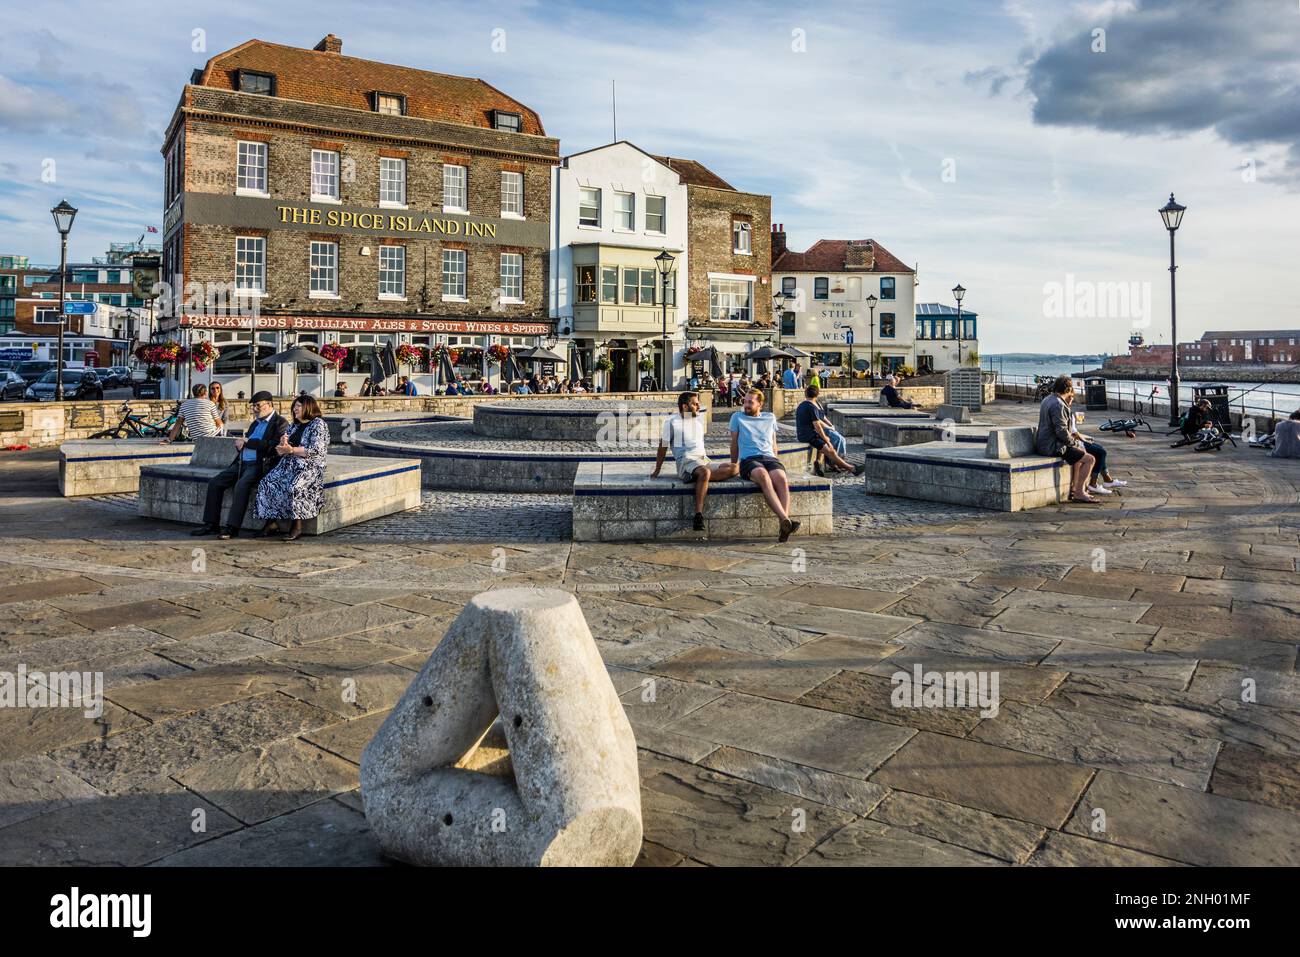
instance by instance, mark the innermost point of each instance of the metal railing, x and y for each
(1135, 396)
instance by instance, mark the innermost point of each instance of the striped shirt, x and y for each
(200, 417)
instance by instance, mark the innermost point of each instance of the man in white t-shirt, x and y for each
(683, 432)
(198, 414)
(753, 452)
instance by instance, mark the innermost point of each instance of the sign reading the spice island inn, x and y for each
(251, 212)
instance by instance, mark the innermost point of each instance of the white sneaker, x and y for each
(1118, 483)
(1099, 490)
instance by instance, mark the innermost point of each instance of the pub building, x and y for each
(356, 203)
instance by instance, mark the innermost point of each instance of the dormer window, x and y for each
(262, 84)
(393, 104)
(509, 122)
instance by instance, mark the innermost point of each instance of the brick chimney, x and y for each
(860, 254)
(331, 44)
(778, 240)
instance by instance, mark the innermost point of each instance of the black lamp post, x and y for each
(63, 215)
(1172, 214)
(664, 262)
(959, 294)
(871, 333)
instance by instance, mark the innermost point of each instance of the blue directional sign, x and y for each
(79, 307)
(848, 337)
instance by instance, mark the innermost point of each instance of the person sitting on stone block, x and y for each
(255, 454)
(753, 447)
(892, 398)
(1286, 438)
(810, 425)
(683, 432)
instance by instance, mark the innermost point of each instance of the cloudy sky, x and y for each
(1013, 147)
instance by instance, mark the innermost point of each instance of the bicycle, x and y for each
(136, 427)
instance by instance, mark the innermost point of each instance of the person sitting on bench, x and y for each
(889, 392)
(1286, 438)
(753, 449)
(1056, 437)
(810, 427)
(683, 432)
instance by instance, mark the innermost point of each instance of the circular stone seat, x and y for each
(455, 457)
(567, 421)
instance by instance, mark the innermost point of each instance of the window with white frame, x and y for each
(453, 274)
(740, 237)
(392, 272)
(609, 284)
(251, 169)
(588, 206)
(250, 263)
(392, 181)
(656, 214)
(324, 175)
(454, 199)
(624, 211)
(512, 193)
(730, 300)
(324, 269)
(512, 277)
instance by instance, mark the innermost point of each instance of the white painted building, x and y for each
(613, 210)
(828, 288)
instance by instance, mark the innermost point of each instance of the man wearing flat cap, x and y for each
(254, 457)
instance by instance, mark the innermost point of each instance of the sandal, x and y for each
(1085, 500)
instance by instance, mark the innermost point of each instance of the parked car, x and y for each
(13, 387)
(78, 384)
(33, 369)
(117, 377)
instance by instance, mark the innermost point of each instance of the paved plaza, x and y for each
(1146, 652)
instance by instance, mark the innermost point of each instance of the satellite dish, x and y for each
(861, 365)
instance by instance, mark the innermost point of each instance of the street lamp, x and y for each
(1172, 214)
(664, 262)
(63, 215)
(781, 305)
(871, 332)
(959, 294)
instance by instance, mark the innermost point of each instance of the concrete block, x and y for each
(527, 655)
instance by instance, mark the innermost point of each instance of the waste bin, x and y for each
(1094, 393)
(148, 389)
(1217, 393)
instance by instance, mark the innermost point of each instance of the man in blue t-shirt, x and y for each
(753, 446)
(811, 427)
(790, 378)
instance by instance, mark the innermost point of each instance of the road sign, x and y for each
(11, 354)
(79, 307)
(848, 337)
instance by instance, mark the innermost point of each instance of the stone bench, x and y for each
(620, 502)
(888, 433)
(105, 466)
(356, 488)
(1005, 474)
(848, 419)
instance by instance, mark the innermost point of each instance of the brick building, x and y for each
(1259, 347)
(354, 202)
(728, 281)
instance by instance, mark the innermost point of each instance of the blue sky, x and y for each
(848, 114)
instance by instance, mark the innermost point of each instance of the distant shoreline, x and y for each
(1202, 372)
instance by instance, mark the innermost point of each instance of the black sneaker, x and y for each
(818, 470)
(204, 530)
(698, 524)
(228, 532)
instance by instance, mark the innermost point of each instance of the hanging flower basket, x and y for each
(604, 363)
(333, 353)
(202, 354)
(645, 363)
(497, 354)
(414, 356)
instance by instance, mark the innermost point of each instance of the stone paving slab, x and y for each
(874, 844)
(1007, 840)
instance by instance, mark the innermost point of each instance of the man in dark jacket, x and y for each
(1056, 436)
(890, 395)
(254, 457)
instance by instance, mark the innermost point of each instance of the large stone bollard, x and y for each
(575, 794)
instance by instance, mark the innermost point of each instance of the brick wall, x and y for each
(210, 163)
(710, 214)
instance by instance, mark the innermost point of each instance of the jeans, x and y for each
(838, 442)
(1098, 452)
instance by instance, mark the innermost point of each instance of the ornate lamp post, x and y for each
(63, 215)
(871, 332)
(1172, 214)
(959, 294)
(664, 262)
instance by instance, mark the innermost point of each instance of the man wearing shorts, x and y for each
(753, 447)
(683, 432)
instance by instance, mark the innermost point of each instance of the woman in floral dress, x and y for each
(295, 487)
